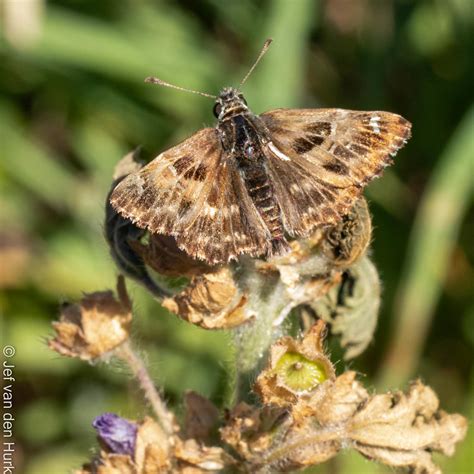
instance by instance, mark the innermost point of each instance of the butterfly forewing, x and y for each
(193, 192)
(331, 155)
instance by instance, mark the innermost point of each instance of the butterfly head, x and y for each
(229, 102)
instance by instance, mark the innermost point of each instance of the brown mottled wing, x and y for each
(321, 159)
(193, 193)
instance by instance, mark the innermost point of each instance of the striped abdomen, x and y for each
(250, 161)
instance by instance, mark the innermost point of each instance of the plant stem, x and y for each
(275, 455)
(140, 372)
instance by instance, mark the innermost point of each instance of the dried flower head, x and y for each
(320, 414)
(295, 368)
(250, 430)
(95, 326)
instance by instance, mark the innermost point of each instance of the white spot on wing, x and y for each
(374, 123)
(277, 152)
(210, 211)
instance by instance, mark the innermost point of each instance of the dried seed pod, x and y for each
(94, 327)
(201, 417)
(348, 240)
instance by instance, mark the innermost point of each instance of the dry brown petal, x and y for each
(108, 463)
(189, 470)
(211, 301)
(94, 327)
(337, 400)
(295, 368)
(116, 464)
(201, 417)
(242, 421)
(407, 422)
(152, 448)
(207, 458)
(420, 461)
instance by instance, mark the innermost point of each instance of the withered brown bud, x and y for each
(93, 327)
(152, 452)
(250, 430)
(348, 240)
(211, 300)
(201, 417)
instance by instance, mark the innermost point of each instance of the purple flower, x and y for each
(117, 433)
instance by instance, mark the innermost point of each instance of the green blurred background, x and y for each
(73, 102)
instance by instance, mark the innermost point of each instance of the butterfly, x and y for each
(247, 185)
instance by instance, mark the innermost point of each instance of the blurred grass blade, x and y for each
(281, 73)
(433, 238)
(32, 166)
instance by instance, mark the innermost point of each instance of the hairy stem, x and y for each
(283, 450)
(140, 372)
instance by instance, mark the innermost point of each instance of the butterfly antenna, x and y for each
(266, 45)
(156, 80)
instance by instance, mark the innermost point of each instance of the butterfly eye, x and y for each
(217, 109)
(242, 98)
